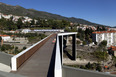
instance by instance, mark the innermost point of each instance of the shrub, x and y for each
(100, 55)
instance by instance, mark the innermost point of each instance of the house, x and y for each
(12, 31)
(111, 29)
(26, 30)
(5, 37)
(109, 36)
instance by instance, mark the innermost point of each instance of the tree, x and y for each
(33, 22)
(81, 34)
(27, 24)
(103, 43)
(90, 40)
(78, 24)
(24, 48)
(99, 68)
(84, 43)
(67, 29)
(98, 28)
(78, 42)
(103, 28)
(3, 48)
(74, 29)
(16, 50)
(88, 66)
(101, 55)
(11, 18)
(0, 38)
(19, 23)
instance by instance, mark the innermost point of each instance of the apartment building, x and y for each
(109, 36)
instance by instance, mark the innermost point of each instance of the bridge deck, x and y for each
(38, 64)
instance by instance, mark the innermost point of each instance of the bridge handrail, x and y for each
(58, 66)
(14, 61)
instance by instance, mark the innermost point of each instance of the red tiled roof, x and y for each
(113, 48)
(106, 66)
(4, 35)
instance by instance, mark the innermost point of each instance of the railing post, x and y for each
(13, 64)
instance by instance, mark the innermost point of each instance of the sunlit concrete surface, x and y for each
(5, 61)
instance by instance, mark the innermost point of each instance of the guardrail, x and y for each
(20, 58)
(59, 54)
(58, 64)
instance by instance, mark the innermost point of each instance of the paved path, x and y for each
(38, 64)
(5, 60)
(6, 74)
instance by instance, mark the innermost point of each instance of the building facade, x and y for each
(5, 37)
(109, 36)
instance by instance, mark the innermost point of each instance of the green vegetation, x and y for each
(24, 48)
(78, 42)
(81, 34)
(103, 43)
(101, 52)
(101, 55)
(40, 28)
(101, 28)
(84, 43)
(70, 29)
(85, 36)
(6, 47)
(89, 66)
(9, 24)
(11, 49)
(54, 24)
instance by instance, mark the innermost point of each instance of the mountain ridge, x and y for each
(21, 11)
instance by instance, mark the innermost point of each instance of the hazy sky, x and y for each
(97, 11)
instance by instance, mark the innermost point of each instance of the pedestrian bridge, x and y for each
(44, 59)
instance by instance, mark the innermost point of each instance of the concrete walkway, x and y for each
(6, 74)
(38, 64)
(5, 60)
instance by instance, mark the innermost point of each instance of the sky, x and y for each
(96, 11)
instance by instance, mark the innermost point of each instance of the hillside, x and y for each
(20, 11)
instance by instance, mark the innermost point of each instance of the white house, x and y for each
(5, 37)
(26, 30)
(109, 36)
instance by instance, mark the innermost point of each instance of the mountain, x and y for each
(20, 11)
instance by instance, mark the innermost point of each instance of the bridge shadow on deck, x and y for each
(52, 63)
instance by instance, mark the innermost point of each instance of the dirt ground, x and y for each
(84, 55)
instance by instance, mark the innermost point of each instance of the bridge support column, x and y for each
(74, 47)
